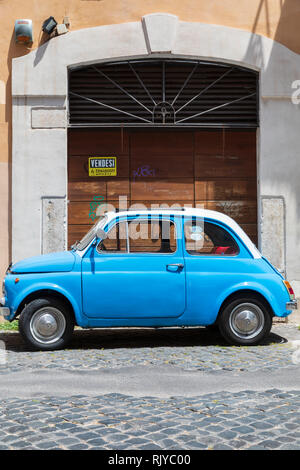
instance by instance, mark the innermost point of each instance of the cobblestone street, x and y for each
(248, 419)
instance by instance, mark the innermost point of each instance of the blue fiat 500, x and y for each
(157, 268)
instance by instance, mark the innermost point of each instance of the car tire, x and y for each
(46, 324)
(245, 321)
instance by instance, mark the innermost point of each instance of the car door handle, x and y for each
(175, 267)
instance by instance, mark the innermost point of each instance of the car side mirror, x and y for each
(101, 234)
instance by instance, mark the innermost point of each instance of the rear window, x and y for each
(206, 238)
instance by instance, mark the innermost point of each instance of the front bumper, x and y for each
(292, 305)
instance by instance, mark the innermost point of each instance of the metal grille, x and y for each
(163, 93)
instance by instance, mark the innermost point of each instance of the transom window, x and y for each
(159, 92)
(140, 236)
(206, 238)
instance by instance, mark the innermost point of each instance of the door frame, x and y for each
(137, 319)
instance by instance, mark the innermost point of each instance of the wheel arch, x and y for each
(49, 293)
(246, 293)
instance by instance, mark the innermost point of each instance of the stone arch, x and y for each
(39, 89)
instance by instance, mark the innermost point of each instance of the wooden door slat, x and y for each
(213, 169)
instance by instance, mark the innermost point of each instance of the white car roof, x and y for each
(191, 211)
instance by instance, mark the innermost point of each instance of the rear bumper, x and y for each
(292, 305)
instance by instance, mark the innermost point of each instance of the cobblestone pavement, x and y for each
(244, 420)
(223, 420)
(190, 349)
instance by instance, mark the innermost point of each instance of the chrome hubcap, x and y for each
(47, 325)
(247, 320)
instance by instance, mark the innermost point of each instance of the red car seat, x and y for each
(223, 250)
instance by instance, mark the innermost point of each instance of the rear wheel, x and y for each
(245, 321)
(46, 324)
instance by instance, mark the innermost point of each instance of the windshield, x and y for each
(88, 237)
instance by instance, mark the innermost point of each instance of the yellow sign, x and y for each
(102, 166)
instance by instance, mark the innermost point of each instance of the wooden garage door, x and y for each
(215, 168)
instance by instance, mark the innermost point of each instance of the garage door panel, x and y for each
(162, 143)
(209, 169)
(162, 204)
(117, 187)
(211, 166)
(86, 190)
(79, 167)
(231, 189)
(80, 213)
(162, 165)
(209, 142)
(98, 142)
(227, 142)
(238, 143)
(241, 211)
(77, 232)
(164, 189)
(251, 230)
(85, 212)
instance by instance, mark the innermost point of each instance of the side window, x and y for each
(116, 241)
(140, 236)
(152, 236)
(206, 238)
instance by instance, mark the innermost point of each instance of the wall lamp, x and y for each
(23, 31)
(49, 25)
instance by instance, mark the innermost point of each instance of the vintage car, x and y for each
(158, 268)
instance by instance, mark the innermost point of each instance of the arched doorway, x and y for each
(181, 132)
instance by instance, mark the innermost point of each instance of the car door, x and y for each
(137, 272)
(215, 260)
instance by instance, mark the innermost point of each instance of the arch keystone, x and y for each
(160, 31)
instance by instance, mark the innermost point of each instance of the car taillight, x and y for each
(289, 289)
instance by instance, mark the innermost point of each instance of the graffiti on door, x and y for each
(94, 204)
(144, 171)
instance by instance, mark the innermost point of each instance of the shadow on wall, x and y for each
(286, 33)
(288, 30)
(14, 51)
(287, 27)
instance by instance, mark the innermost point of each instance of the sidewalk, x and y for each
(295, 316)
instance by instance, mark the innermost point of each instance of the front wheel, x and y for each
(245, 321)
(46, 324)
